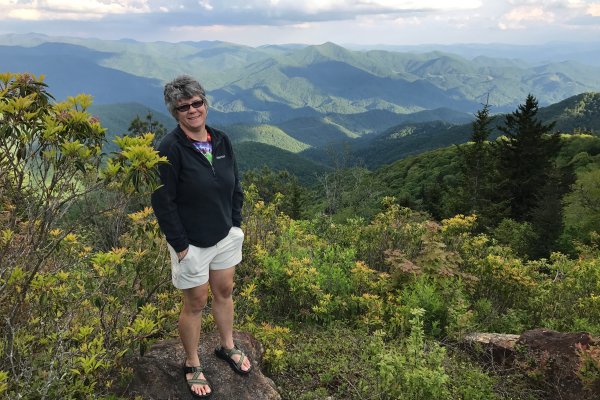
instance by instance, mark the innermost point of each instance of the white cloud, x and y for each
(36, 10)
(529, 13)
(550, 3)
(303, 21)
(344, 6)
(206, 5)
(594, 10)
(53, 9)
(288, 12)
(564, 13)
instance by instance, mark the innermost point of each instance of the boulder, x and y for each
(493, 348)
(158, 374)
(552, 360)
(556, 357)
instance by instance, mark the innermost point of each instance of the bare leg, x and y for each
(221, 285)
(190, 321)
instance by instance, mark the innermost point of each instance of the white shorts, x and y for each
(194, 268)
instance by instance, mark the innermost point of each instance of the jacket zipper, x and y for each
(212, 167)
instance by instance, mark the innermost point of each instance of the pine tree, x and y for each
(530, 182)
(478, 181)
(476, 160)
(525, 159)
(547, 217)
(137, 127)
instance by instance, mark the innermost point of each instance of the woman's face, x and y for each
(194, 119)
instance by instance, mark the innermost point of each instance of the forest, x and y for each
(360, 286)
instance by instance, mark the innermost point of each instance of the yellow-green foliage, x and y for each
(3, 380)
(414, 370)
(349, 310)
(70, 312)
(582, 206)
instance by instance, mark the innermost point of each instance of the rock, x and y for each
(495, 348)
(158, 374)
(555, 356)
(550, 359)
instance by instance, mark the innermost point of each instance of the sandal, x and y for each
(226, 354)
(195, 380)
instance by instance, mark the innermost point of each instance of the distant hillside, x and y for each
(276, 84)
(407, 140)
(252, 155)
(266, 134)
(71, 69)
(116, 118)
(386, 104)
(296, 135)
(580, 112)
(583, 52)
(334, 127)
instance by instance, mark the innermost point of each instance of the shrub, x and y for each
(69, 313)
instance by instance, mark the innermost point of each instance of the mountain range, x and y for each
(299, 99)
(273, 84)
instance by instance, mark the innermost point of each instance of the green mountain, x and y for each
(71, 69)
(116, 118)
(266, 134)
(254, 155)
(275, 84)
(409, 139)
(575, 113)
(587, 52)
(579, 113)
(386, 104)
(295, 135)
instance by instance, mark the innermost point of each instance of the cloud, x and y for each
(594, 10)
(518, 15)
(38, 10)
(274, 12)
(307, 21)
(564, 13)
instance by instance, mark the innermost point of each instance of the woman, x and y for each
(198, 208)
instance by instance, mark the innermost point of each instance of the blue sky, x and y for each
(257, 22)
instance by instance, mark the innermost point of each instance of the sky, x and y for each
(260, 22)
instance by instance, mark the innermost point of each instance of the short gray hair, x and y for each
(180, 88)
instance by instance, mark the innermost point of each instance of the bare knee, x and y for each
(194, 303)
(222, 291)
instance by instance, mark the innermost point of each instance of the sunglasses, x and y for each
(186, 107)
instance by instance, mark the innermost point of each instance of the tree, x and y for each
(50, 159)
(137, 127)
(526, 156)
(270, 183)
(529, 180)
(478, 178)
(476, 160)
(582, 207)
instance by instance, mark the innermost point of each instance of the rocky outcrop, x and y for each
(552, 359)
(557, 357)
(493, 348)
(158, 374)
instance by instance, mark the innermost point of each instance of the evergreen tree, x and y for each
(582, 207)
(547, 216)
(270, 183)
(476, 191)
(138, 127)
(476, 160)
(530, 182)
(525, 159)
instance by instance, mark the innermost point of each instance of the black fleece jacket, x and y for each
(198, 202)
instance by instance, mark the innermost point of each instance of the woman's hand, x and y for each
(181, 255)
